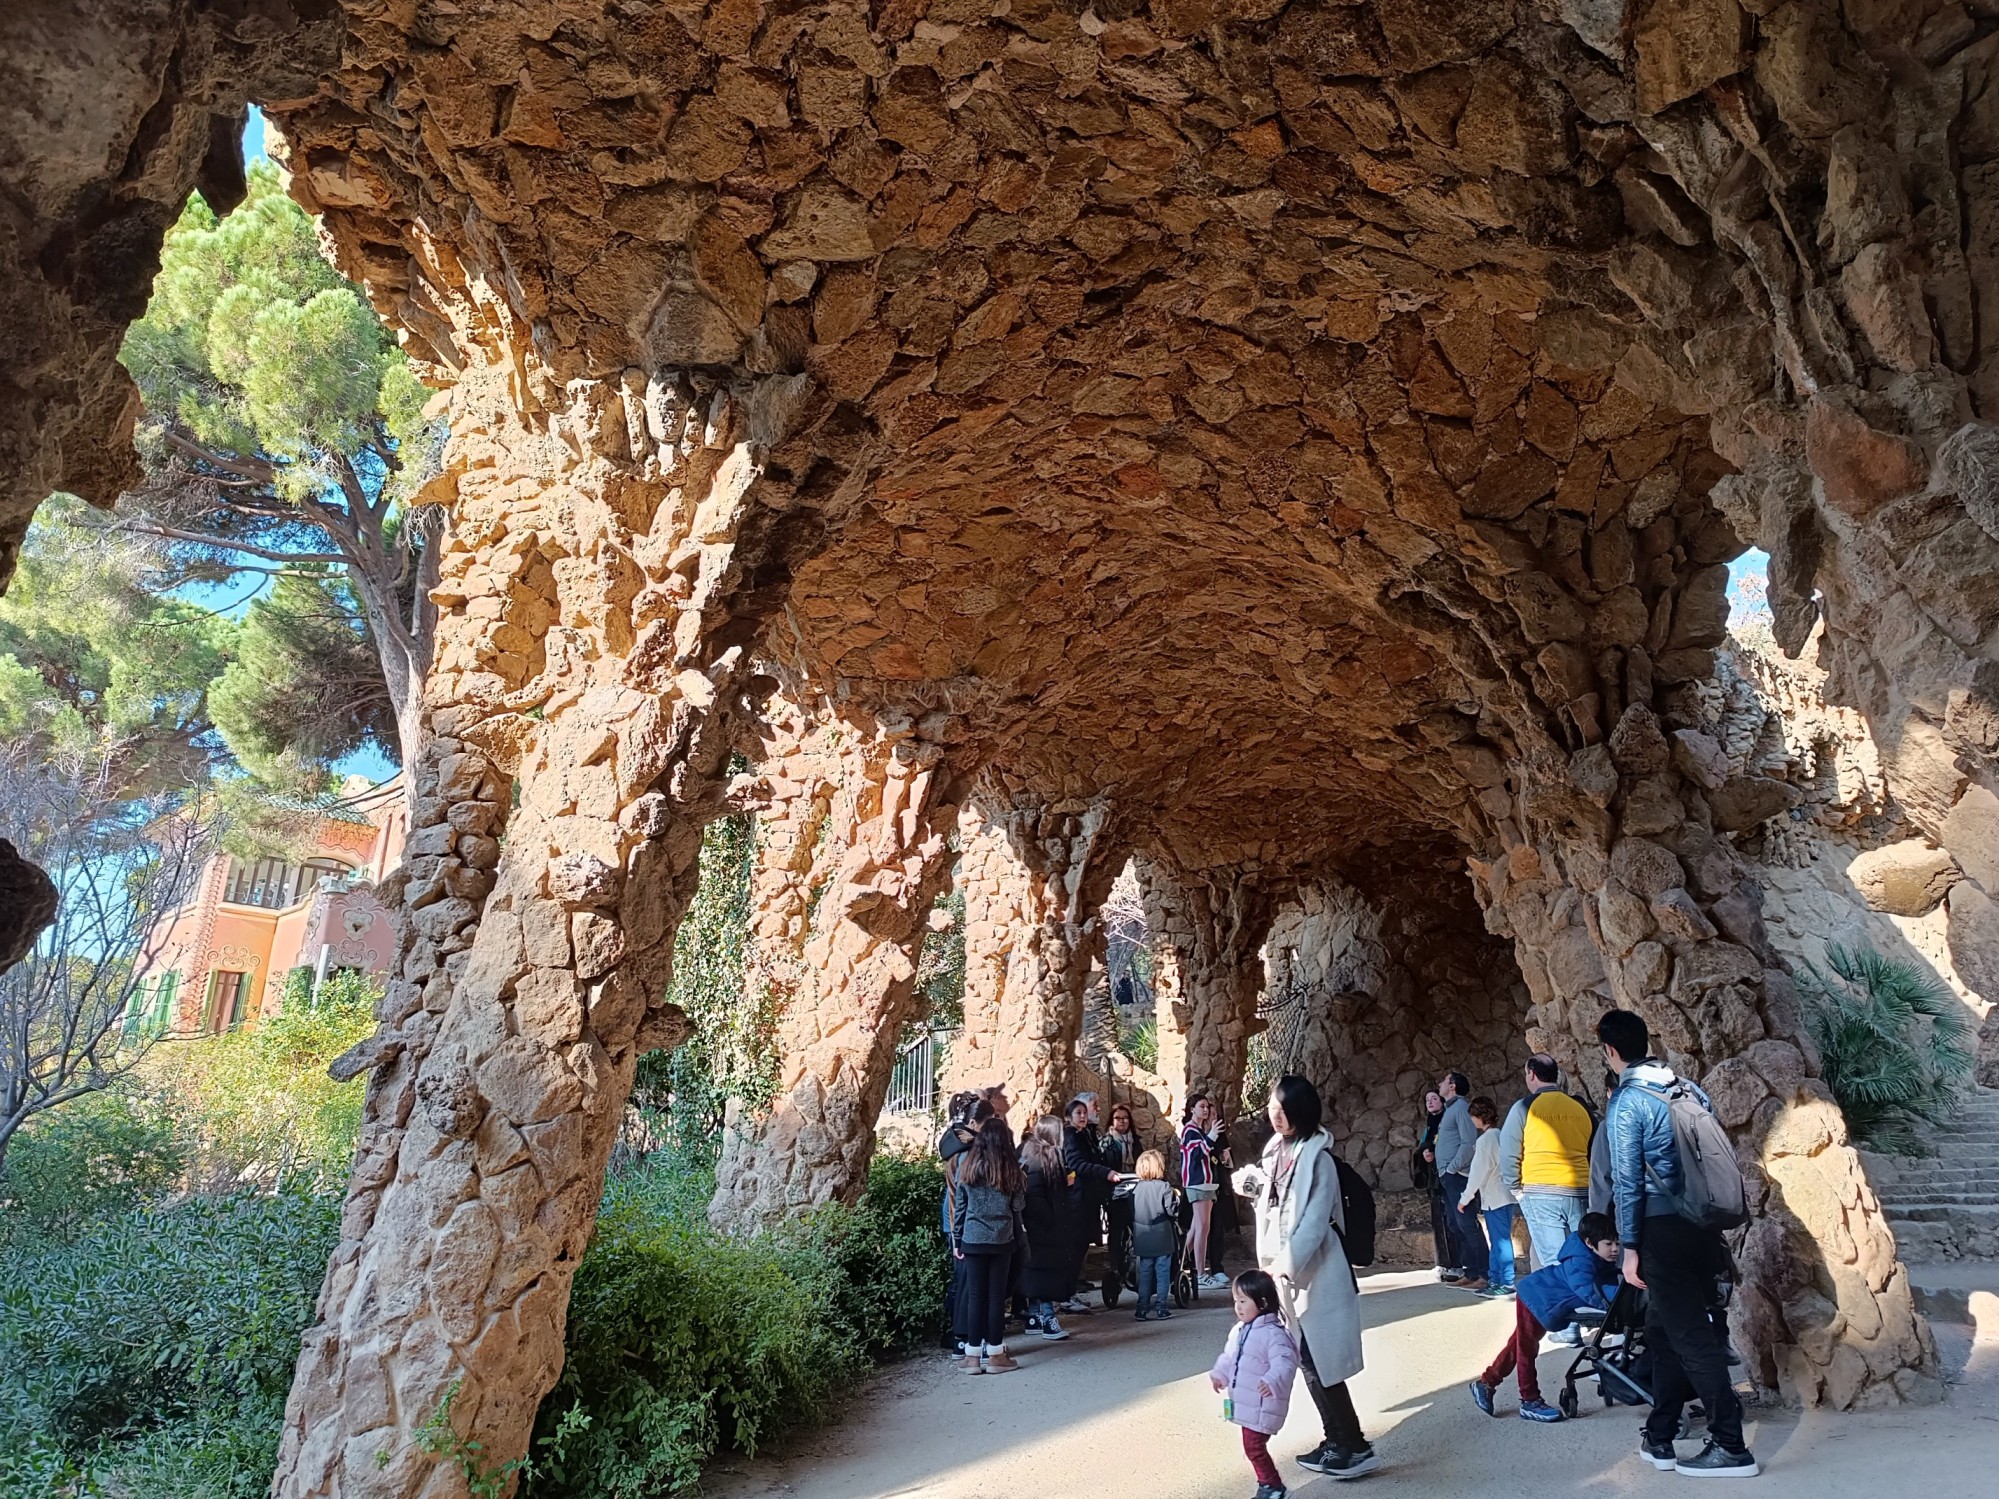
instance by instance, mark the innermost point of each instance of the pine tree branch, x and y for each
(223, 543)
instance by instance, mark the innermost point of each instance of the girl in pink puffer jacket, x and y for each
(1254, 1375)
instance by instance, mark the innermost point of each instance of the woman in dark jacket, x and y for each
(1053, 1220)
(1423, 1170)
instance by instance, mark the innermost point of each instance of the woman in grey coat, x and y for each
(1299, 1222)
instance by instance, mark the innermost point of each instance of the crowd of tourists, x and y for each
(1623, 1212)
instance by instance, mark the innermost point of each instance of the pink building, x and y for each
(222, 959)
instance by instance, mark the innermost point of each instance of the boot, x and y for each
(1001, 1362)
(970, 1363)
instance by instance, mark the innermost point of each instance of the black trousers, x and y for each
(1679, 1263)
(1437, 1234)
(1334, 1404)
(982, 1296)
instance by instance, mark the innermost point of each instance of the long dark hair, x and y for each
(990, 1160)
(1193, 1101)
(1300, 1102)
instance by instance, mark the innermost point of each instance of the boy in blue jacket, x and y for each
(1547, 1301)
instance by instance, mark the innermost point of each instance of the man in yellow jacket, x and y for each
(1544, 1159)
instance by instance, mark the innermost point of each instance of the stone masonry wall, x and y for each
(1389, 995)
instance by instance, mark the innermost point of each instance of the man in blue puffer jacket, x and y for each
(1547, 1302)
(1675, 1262)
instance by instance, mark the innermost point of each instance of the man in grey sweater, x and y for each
(1457, 1137)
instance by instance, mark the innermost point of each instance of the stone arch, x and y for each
(1315, 432)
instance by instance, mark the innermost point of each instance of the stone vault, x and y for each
(1285, 442)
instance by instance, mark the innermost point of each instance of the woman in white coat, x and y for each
(1299, 1222)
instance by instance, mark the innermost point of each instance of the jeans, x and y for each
(1551, 1218)
(1517, 1357)
(1467, 1233)
(1679, 1263)
(1155, 1280)
(1499, 1232)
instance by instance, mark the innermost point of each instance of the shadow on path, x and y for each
(1123, 1409)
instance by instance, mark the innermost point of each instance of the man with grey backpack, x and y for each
(1676, 1187)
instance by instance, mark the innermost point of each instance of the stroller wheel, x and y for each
(1568, 1403)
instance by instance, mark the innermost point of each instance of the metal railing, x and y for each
(912, 1087)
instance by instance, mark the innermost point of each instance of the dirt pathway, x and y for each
(1122, 1409)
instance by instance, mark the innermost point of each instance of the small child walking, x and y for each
(1254, 1376)
(1154, 1208)
(1547, 1302)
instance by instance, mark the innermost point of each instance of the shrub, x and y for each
(1894, 1045)
(681, 1339)
(96, 1156)
(257, 1107)
(891, 1267)
(153, 1354)
(1141, 1044)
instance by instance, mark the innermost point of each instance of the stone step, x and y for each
(1909, 1203)
(1986, 1218)
(1943, 1288)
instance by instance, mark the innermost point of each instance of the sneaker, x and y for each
(1717, 1462)
(1496, 1293)
(1141, 1316)
(1052, 1330)
(1570, 1337)
(1539, 1410)
(1213, 1281)
(1351, 1464)
(1270, 1491)
(1001, 1362)
(1481, 1396)
(1659, 1454)
(1162, 1315)
(1033, 1324)
(1315, 1461)
(1073, 1306)
(1451, 1276)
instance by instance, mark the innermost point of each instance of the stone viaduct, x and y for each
(1280, 441)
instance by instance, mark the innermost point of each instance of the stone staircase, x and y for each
(1946, 1206)
(1945, 1213)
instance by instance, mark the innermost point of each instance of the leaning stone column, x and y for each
(1034, 874)
(581, 658)
(1609, 862)
(842, 943)
(1207, 928)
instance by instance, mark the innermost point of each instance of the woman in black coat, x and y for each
(1054, 1223)
(1423, 1168)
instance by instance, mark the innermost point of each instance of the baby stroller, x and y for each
(1614, 1352)
(1117, 1277)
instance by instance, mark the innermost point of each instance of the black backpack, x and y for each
(1357, 1205)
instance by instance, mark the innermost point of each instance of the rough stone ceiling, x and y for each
(1156, 351)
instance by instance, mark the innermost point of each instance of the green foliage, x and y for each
(1141, 1044)
(729, 1055)
(437, 1437)
(1895, 1045)
(152, 1355)
(891, 1267)
(93, 660)
(89, 1160)
(254, 345)
(305, 686)
(940, 970)
(683, 1340)
(255, 1106)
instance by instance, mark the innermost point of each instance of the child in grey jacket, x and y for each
(1155, 1210)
